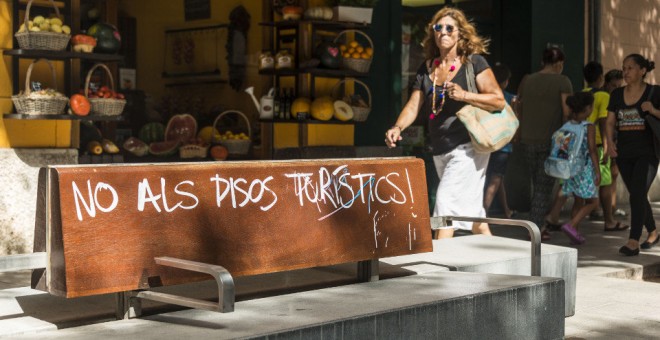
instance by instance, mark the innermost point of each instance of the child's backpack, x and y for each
(566, 159)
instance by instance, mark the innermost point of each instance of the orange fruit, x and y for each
(219, 152)
(79, 105)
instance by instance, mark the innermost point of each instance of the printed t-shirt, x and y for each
(445, 130)
(601, 101)
(542, 111)
(634, 137)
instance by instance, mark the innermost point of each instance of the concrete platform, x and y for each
(442, 304)
(26, 311)
(501, 255)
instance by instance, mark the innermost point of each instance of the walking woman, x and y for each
(542, 102)
(439, 91)
(636, 156)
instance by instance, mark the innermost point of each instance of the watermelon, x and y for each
(136, 146)
(182, 128)
(152, 132)
(108, 39)
(166, 148)
(330, 55)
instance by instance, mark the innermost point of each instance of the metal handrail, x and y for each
(535, 233)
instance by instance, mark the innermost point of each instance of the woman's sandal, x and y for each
(552, 226)
(545, 235)
(618, 227)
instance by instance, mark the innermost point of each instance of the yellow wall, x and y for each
(156, 16)
(26, 133)
(153, 18)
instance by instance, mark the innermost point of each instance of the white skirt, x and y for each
(462, 174)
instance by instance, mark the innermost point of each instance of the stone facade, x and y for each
(18, 198)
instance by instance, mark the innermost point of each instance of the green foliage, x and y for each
(355, 3)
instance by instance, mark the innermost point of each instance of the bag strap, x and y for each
(648, 98)
(470, 77)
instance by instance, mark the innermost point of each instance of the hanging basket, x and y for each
(104, 106)
(356, 64)
(360, 113)
(33, 104)
(41, 40)
(234, 146)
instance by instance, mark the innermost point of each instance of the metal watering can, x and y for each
(265, 105)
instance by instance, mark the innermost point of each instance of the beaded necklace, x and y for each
(441, 95)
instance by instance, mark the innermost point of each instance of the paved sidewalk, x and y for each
(616, 295)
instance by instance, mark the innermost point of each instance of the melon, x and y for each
(136, 146)
(300, 105)
(165, 148)
(152, 132)
(182, 128)
(209, 134)
(322, 108)
(343, 111)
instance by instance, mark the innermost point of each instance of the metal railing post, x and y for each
(533, 229)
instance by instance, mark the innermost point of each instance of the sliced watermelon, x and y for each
(166, 148)
(182, 128)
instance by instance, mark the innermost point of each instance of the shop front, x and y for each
(207, 80)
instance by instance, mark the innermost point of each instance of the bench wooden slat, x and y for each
(104, 226)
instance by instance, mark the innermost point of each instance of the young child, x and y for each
(585, 184)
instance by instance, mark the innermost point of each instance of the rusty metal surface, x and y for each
(248, 217)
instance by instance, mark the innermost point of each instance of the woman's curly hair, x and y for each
(469, 42)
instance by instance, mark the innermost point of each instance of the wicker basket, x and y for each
(360, 114)
(234, 146)
(25, 104)
(193, 151)
(41, 40)
(104, 106)
(356, 64)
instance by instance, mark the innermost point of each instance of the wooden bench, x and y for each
(126, 228)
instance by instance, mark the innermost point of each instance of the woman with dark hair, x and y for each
(634, 150)
(542, 109)
(439, 91)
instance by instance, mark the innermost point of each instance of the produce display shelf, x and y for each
(319, 72)
(61, 117)
(328, 24)
(308, 121)
(62, 55)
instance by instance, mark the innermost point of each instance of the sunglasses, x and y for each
(448, 28)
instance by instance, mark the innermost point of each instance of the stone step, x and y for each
(451, 305)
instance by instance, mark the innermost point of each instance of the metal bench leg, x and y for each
(368, 271)
(128, 306)
(223, 278)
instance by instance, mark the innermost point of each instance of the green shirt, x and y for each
(542, 113)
